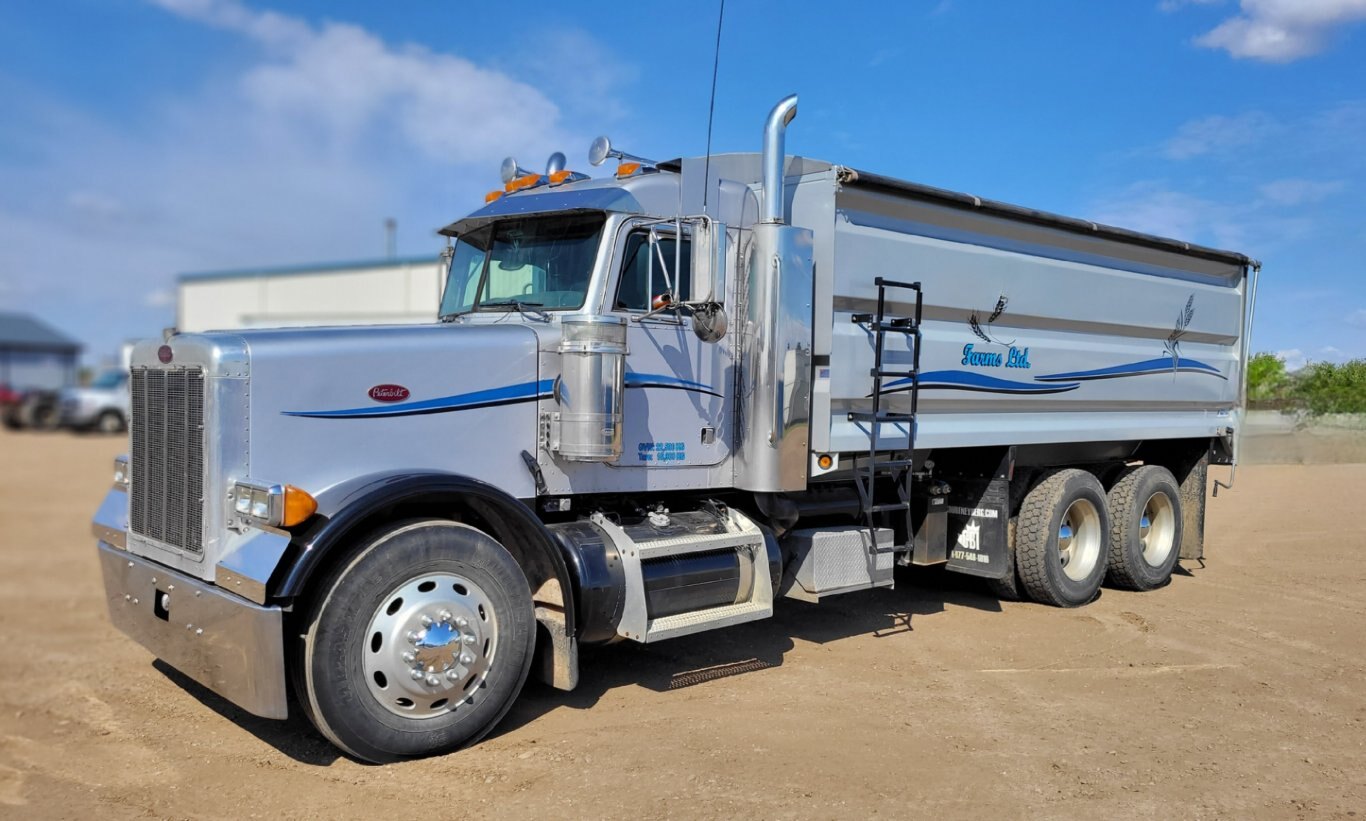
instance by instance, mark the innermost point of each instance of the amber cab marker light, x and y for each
(299, 505)
(560, 176)
(626, 169)
(492, 195)
(825, 461)
(529, 181)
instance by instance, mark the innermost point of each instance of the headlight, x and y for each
(121, 474)
(272, 505)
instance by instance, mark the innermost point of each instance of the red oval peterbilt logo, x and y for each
(388, 393)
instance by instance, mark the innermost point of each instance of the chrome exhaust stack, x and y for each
(775, 132)
(775, 358)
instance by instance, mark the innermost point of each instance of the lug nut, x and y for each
(417, 675)
(432, 681)
(414, 637)
(445, 616)
(462, 622)
(426, 620)
(466, 658)
(468, 639)
(452, 674)
(409, 658)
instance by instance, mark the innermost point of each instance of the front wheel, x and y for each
(419, 644)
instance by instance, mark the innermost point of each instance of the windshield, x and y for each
(541, 262)
(108, 379)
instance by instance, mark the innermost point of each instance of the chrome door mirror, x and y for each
(708, 261)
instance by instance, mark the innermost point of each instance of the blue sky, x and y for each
(141, 140)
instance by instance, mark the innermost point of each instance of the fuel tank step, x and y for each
(691, 572)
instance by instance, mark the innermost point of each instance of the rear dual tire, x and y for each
(1062, 539)
(1145, 528)
(1056, 531)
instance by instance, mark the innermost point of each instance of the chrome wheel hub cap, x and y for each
(430, 645)
(1157, 529)
(1079, 540)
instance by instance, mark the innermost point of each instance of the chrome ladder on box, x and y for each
(900, 467)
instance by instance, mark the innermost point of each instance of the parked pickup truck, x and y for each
(102, 405)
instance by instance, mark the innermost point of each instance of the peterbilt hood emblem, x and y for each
(389, 393)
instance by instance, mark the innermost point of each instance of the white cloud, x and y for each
(294, 152)
(346, 80)
(1330, 353)
(1251, 225)
(160, 298)
(1281, 31)
(1218, 134)
(1299, 191)
(1293, 358)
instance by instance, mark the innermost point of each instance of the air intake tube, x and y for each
(589, 391)
(775, 132)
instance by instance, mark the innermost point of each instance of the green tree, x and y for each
(1266, 377)
(1329, 388)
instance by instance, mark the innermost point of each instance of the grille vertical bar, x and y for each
(167, 433)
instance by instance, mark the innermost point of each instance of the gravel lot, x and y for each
(1238, 691)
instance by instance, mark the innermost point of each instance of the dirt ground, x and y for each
(1238, 691)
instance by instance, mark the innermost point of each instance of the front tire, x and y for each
(419, 645)
(1061, 539)
(1145, 528)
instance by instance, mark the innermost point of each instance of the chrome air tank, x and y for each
(589, 391)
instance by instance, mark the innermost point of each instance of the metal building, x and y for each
(34, 355)
(373, 292)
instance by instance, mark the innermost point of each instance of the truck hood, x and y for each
(326, 405)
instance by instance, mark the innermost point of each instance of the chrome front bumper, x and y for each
(226, 643)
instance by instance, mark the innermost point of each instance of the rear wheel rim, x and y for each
(1157, 529)
(1079, 539)
(430, 645)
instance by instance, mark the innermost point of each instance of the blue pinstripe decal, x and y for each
(659, 380)
(524, 392)
(972, 381)
(1160, 365)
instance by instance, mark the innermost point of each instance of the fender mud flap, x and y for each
(979, 514)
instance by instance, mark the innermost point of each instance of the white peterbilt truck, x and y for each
(652, 405)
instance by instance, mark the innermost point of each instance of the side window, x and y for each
(635, 291)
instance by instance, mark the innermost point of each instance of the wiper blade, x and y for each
(521, 305)
(510, 302)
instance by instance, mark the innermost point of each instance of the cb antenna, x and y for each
(711, 107)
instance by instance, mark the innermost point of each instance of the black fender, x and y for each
(349, 509)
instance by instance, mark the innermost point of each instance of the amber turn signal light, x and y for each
(299, 505)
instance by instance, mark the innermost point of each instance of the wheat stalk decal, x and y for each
(983, 333)
(977, 328)
(1000, 307)
(1183, 321)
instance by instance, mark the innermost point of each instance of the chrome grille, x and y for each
(167, 467)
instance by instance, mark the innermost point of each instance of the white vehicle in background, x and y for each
(102, 405)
